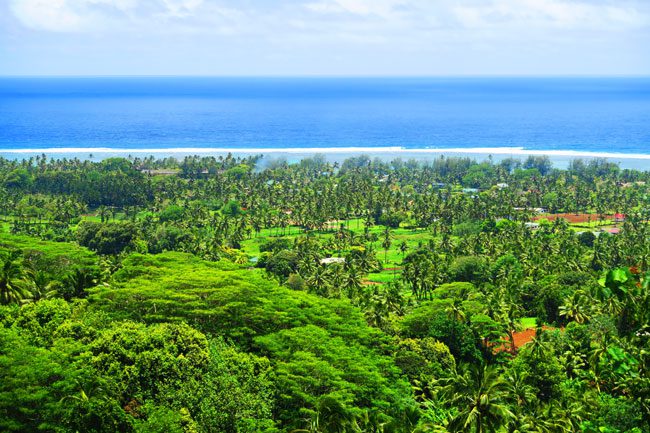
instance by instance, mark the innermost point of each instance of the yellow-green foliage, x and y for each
(222, 298)
(66, 369)
(54, 258)
(319, 348)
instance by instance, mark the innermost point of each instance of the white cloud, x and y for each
(53, 15)
(411, 17)
(567, 14)
(381, 8)
(71, 15)
(182, 8)
(326, 36)
(122, 15)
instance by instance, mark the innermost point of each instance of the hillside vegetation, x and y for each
(247, 295)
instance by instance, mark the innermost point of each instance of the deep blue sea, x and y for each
(581, 115)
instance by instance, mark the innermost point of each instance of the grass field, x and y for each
(390, 259)
(383, 277)
(528, 322)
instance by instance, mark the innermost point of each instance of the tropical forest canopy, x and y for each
(251, 295)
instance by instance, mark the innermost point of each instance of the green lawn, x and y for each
(91, 218)
(528, 322)
(389, 259)
(383, 277)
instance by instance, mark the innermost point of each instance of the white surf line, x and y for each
(514, 151)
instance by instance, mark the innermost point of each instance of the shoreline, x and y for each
(326, 150)
(558, 157)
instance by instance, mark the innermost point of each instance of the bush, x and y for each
(467, 228)
(424, 359)
(282, 264)
(169, 238)
(110, 238)
(471, 269)
(171, 213)
(296, 282)
(275, 245)
(392, 219)
(587, 238)
(431, 320)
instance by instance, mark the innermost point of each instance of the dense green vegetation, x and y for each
(246, 295)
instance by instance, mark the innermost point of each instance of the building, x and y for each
(330, 260)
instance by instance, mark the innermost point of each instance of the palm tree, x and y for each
(352, 283)
(15, 283)
(543, 419)
(43, 287)
(455, 311)
(520, 393)
(319, 281)
(575, 309)
(403, 248)
(329, 416)
(479, 395)
(76, 282)
(509, 314)
(386, 243)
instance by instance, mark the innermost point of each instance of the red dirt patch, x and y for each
(573, 218)
(520, 338)
(523, 337)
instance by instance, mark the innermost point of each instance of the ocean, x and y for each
(410, 117)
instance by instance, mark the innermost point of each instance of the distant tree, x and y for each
(171, 213)
(109, 238)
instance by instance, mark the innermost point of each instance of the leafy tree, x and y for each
(111, 238)
(480, 397)
(424, 359)
(15, 282)
(282, 264)
(171, 213)
(431, 320)
(543, 370)
(467, 268)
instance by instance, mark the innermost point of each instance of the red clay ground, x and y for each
(521, 339)
(573, 218)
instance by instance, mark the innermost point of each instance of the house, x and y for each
(619, 218)
(532, 226)
(330, 260)
(161, 172)
(614, 231)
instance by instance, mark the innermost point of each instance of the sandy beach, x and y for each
(560, 158)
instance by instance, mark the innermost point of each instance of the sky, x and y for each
(325, 37)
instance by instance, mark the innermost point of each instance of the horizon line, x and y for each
(328, 76)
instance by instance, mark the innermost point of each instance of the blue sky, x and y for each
(325, 37)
